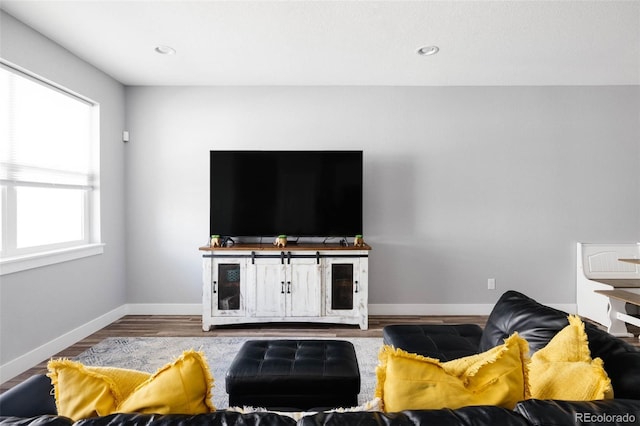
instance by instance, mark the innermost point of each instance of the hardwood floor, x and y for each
(191, 325)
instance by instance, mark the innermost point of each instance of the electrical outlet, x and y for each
(491, 284)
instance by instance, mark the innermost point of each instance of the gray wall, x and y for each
(40, 305)
(462, 184)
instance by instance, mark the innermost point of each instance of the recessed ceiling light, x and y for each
(428, 50)
(165, 50)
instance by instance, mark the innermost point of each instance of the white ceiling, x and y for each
(355, 42)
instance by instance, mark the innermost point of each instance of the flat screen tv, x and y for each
(295, 193)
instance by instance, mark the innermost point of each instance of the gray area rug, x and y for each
(150, 353)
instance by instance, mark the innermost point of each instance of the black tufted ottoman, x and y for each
(299, 374)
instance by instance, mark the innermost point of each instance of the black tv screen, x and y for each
(295, 193)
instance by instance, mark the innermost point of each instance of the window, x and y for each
(48, 172)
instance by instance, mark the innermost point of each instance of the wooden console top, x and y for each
(268, 246)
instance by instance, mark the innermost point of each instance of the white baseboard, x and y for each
(24, 362)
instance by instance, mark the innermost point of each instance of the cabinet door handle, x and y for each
(289, 287)
(357, 286)
(281, 287)
(215, 287)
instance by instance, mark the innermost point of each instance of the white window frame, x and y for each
(13, 259)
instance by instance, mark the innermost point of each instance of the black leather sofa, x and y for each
(30, 403)
(537, 323)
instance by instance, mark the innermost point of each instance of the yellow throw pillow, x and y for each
(84, 391)
(564, 369)
(412, 382)
(181, 387)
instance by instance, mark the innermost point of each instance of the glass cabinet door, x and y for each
(227, 287)
(342, 286)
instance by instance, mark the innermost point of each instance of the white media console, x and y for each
(257, 283)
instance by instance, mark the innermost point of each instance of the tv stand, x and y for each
(258, 283)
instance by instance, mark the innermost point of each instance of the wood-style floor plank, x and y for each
(191, 326)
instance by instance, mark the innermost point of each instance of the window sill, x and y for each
(10, 265)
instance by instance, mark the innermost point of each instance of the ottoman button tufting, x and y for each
(294, 373)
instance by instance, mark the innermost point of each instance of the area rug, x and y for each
(150, 353)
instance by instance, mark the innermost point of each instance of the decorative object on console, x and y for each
(215, 241)
(280, 241)
(358, 241)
